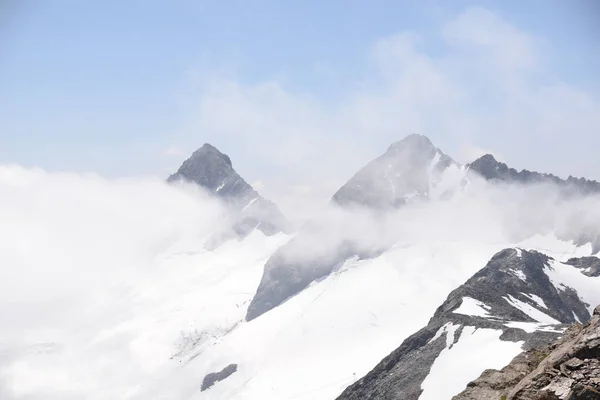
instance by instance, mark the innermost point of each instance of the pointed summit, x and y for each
(212, 170)
(408, 169)
(209, 168)
(208, 150)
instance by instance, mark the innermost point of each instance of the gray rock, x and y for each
(570, 370)
(590, 266)
(213, 170)
(574, 363)
(214, 377)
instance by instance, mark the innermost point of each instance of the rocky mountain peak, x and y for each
(209, 151)
(213, 170)
(407, 170)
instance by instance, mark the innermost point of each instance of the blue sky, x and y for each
(297, 92)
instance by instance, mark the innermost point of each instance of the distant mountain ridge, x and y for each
(212, 170)
(493, 170)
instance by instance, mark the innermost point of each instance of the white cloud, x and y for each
(70, 245)
(498, 43)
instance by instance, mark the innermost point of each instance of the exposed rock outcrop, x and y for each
(215, 377)
(568, 369)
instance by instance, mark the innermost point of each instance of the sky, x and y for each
(299, 94)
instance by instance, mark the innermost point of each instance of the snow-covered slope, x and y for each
(336, 330)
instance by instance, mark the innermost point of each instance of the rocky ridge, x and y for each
(493, 170)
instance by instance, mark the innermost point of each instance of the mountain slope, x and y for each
(409, 170)
(519, 299)
(213, 170)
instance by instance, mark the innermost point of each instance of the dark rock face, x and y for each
(567, 369)
(510, 275)
(213, 170)
(406, 170)
(589, 266)
(285, 274)
(215, 377)
(492, 170)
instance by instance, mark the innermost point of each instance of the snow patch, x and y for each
(519, 274)
(472, 307)
(459, 365)
(519, 252)
(449, 329)
(249, 204)
(538, 300)
(221, 186)
(565, 276)
(530, 327)
(530, 311)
